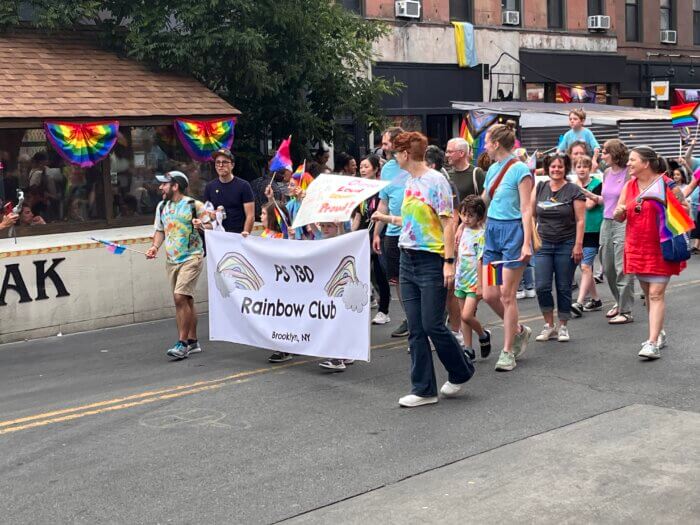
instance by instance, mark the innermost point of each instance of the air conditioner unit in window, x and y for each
(598, 23)
(669, 37)
(407, 9)
(510, 18)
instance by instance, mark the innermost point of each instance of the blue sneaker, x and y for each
(178, 351)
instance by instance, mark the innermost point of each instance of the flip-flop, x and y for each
(613, 312)
(621, 319)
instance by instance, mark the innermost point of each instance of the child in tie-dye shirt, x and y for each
(468, 281)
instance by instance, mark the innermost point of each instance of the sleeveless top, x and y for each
(642, 244)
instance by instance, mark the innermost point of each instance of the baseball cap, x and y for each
(222, 152)
(174, 176)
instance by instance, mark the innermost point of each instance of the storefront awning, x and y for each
(573, 68)
(70, 76)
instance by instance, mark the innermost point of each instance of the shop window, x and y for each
(510, 5)
(596, 7)
(666, 19)
(534, 92)
(462, 10)
(555, 14)
(696, 22)
(632, 21)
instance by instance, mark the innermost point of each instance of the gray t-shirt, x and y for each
(464, 181)
(556, 219)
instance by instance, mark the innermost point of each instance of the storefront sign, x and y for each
(17, 283)
(660, 90)
(301, 297)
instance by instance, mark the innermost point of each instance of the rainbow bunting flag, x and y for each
(683, 115)
(82, 144)
(674, 218)
(494, 273)
(282, 159)
(202, 138)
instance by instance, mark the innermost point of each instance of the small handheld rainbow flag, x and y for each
(114, 248)
(683, 115)
(82, 144)
(202, 138)
(301, 177)
(494, 273)
(282, 159)
(281, 218)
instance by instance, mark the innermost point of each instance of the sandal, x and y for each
(613, 312)
(621, 319)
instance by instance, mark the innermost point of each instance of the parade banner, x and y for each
(332, 198)
(301, 297)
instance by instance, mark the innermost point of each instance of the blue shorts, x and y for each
(504, 242)
(589, 253)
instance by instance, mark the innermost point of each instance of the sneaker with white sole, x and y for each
(194, 348)
(520, 294)
(593, 305)
(452, 389)
(548, 332)
(563, 334)
(531, 293)
(402, 330)
(506, 362)
(279, 357)
(381, 318)
(485, 344)
(412, 400)
(576, 309)
(178, 351)
(650, 351)
(521, 341)
(336, 365)
(661, 340)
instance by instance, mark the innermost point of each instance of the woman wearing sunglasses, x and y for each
(643, 256)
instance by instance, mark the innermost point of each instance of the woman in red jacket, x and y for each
(642, 244)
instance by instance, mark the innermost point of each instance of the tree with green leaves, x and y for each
(290, 66)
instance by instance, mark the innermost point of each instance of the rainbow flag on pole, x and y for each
(683, 115)
(674, 218)
(282, 159)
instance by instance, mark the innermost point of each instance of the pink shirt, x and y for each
(613, 182)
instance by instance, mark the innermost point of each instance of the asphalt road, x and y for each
(100, 427)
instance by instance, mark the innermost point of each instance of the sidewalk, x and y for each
(638, 464)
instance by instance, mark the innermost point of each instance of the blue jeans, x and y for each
(423, 295)
(555, 258)
(528, 280)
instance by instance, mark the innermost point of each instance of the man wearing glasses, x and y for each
(233, 193)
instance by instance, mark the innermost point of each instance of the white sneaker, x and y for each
(381, 318)
(337, 365)
(530, 293)
(458, 335)
(649, 351)
(412, 400)
(547, 333)
(563, 334)
(374, 304)
(520, 294)
(452, 390)
(660, 342)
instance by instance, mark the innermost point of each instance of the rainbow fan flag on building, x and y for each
(202, 138)
(82, 144)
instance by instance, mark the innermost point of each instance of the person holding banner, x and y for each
(177, 217)
(652, 204)
(427, 244)
(507, 190)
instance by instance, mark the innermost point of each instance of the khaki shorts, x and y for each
(183, 277)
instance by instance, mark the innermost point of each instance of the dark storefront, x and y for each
(425, 104)
(636, 88)
(544, 73)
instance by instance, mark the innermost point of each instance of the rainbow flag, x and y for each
(112, 247)
(202, 138)
(494, 273)
(301, 177)
(281, 218)
(282, 159)
(82, 144)
(674, 218)
(683, 115)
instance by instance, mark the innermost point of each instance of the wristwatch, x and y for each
(450, 260)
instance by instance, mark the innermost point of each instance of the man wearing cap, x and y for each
(233, 193)
(177, 217)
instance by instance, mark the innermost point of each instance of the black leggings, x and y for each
(381, 283)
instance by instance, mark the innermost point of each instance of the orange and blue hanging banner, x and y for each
(82, 144)
(201, 138)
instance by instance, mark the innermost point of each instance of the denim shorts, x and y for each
(504, 242)
(589, 253)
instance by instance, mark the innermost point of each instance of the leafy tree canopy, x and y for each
(290, 66)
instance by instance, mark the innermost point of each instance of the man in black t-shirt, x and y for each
(233, 193)
(468, 179)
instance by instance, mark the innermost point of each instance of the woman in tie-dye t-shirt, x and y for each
(427, 268)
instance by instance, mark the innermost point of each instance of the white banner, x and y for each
(332, 198)
(301, 297)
